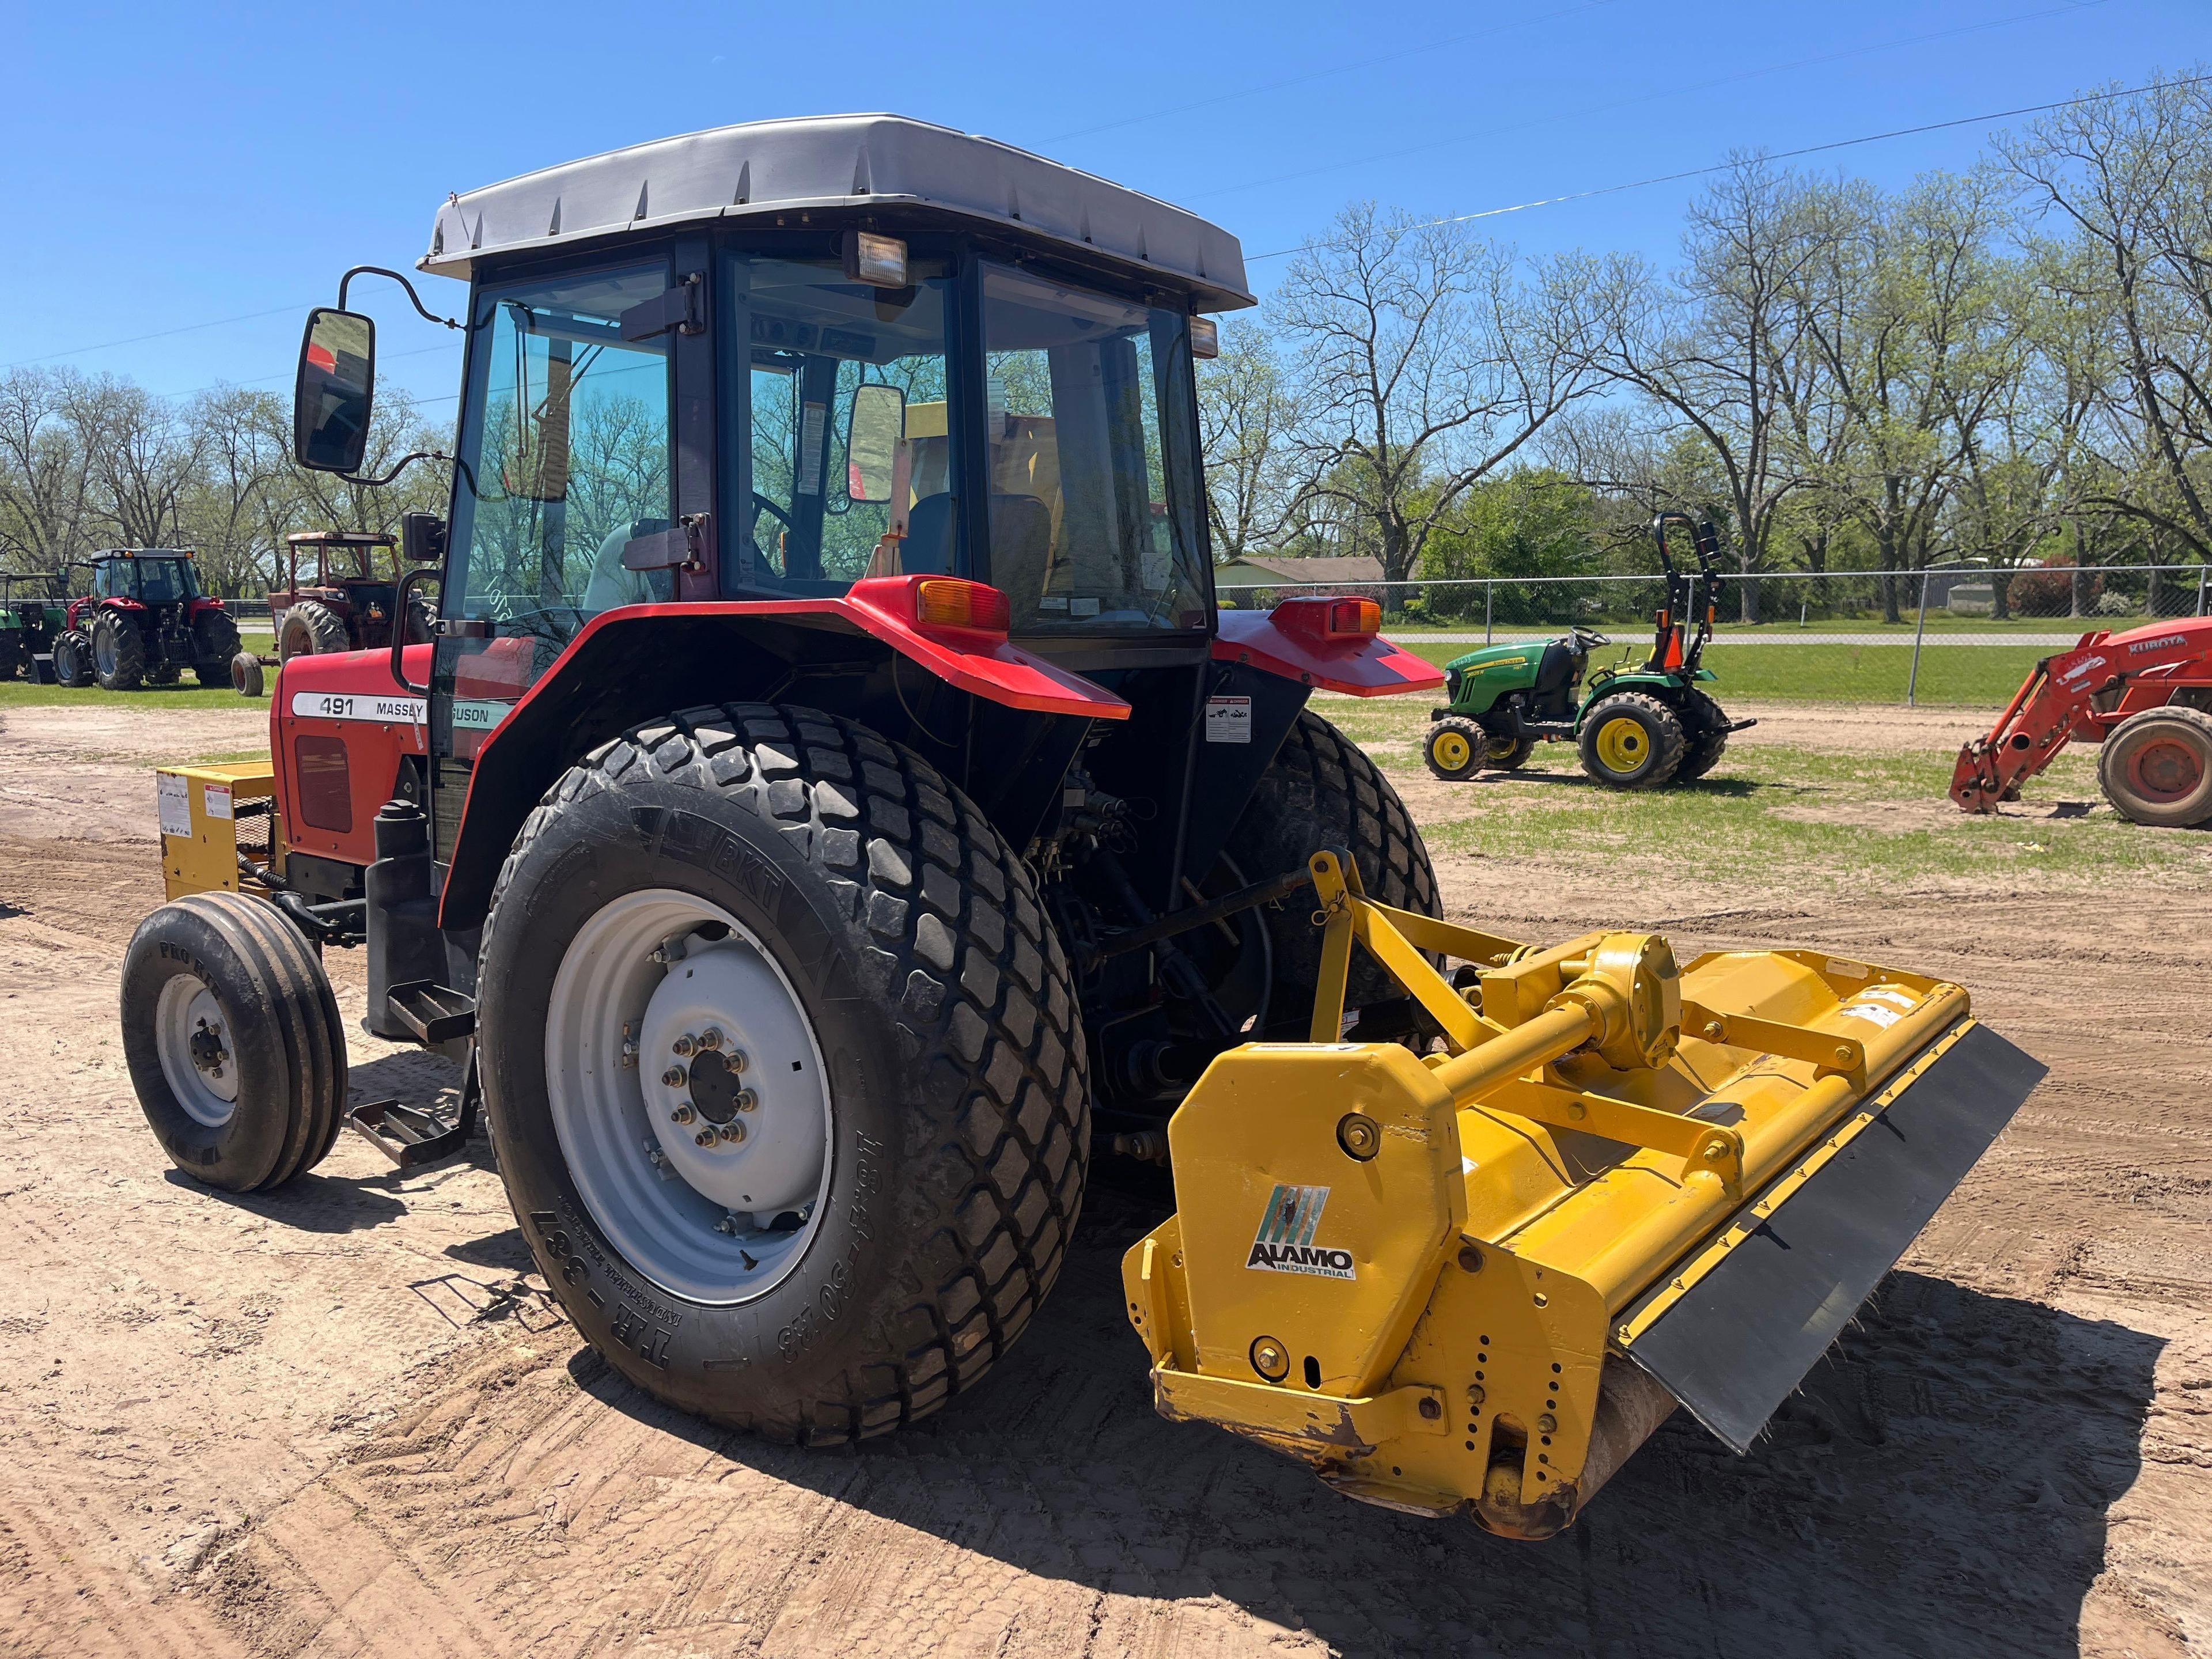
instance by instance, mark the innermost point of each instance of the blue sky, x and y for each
(171, 167)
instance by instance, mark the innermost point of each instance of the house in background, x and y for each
(1256, 581)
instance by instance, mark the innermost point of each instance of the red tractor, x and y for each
(144, 622)
(2145, 695)
(346, 601)
(833, 811)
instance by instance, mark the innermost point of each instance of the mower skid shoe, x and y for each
(1735, 1345)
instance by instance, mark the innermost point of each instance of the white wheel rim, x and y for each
(700, 1221)
(199, 1060)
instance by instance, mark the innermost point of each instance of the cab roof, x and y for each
(764, 169)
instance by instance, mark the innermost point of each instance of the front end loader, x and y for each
(833, 812)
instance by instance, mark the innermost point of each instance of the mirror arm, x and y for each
(379, 270)
(399, 614)
(403, 463)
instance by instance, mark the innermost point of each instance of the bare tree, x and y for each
(2131, 179)
(1429, 361)
(46, 476)
(1248, 411)
(243, 465)
(1721, 347)
(144, 457)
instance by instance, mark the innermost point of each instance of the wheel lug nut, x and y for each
(683, 1046)
(710, 1038)
(682, 1113)
(733, 1132)
(736, 1059)
(704, 1138)
(673, 1077)
(746, 1100)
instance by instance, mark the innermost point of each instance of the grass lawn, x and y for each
(1980, 677)
(187, 694)
(1775, 817)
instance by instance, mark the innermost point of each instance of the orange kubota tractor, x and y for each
(833, 811)
(2145, 695)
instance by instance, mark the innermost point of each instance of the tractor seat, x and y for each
(1555, 672)
(1021, 541)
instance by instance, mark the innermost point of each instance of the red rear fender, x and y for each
(1370, 668)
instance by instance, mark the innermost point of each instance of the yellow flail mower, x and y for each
(1476, 1281)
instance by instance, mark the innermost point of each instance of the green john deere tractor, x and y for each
(29, 626)
(1638, 728)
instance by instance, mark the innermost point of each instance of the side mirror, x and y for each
(335, 393)
(874, 428)
(422, 537)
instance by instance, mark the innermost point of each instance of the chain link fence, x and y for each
(1951, 637)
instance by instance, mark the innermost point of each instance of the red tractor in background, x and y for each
(145, 621)
(2145, 695)
(346, 602)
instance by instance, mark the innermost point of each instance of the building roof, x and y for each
(763, 169)
(1364, 568)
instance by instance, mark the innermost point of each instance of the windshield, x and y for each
(152, 581)
(1094, 477)
(813, 516)
(566, 445)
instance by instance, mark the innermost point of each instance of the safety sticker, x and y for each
(172, 803)
(1228, 719)
(1880, 1016)
(1286, 1245)
(214, 800)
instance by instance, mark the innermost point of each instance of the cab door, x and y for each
(586, 440)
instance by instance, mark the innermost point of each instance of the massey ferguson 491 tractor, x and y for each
(833, 813)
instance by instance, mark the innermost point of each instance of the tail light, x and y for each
(954, 602)
(1354, 619)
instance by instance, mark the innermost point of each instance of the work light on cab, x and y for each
(878, 261)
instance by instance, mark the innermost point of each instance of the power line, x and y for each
(1654, 96)
(1425, 49)
(1777, 156)
(161, 334)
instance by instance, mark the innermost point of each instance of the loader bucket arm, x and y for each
(1474, 1281)
(2061, 694)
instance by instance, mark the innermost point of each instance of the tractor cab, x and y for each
(144, 617)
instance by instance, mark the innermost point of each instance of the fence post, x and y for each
(1912, 681)
(1489, 594)
(2202, 570)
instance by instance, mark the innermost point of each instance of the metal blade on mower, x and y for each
(1735, 1344)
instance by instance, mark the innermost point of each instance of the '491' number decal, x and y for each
(356, 706)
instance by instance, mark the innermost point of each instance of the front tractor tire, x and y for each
(837, 1172)
(234, 1042)
(119, 652)
(1632, 741)
(1456, 749)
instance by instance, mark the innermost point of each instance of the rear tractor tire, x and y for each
(1632, 741)
(310, 630)
(119, 652)
(12, 654)
(215, 645)
(2156, 767)
(234, 1042)
(837, 1171)
(73, 659)
(1456, 749)
(1322, 790)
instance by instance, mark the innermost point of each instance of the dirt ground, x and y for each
(343, 1418)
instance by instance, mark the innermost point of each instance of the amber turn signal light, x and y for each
(953, 601)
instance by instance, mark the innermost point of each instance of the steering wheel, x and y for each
(774, 511)
(1589, 638)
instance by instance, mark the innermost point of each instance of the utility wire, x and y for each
(1776, 155)
(1654, 96)
(1427, 48)
(163, 334)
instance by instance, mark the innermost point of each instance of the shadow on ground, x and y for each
(1940, 1483)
